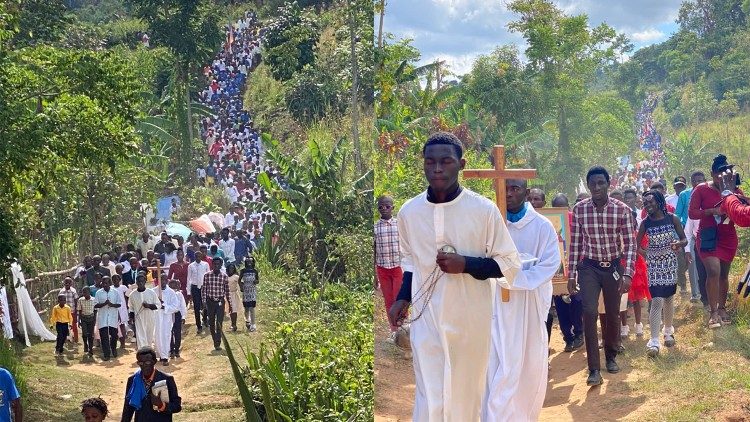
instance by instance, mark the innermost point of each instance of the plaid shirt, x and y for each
(215, 286)
(70, 297)
(387, 253)
(602, 236)
(86, 307)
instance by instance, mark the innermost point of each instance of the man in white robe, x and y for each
(143, 306)
(165, 320)
(450, 331)
(517, 374)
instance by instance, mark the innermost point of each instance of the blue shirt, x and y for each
(683, 202)
(242, 248)
(8, 393)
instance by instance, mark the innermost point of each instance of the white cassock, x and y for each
(451, 339)
(517, 373)
(145, 319)
(164, 322)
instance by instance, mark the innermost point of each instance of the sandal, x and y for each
(714, 321)
(725, 318)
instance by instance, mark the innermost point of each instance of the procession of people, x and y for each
(478, 356)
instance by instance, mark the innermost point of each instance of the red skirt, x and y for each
(639, 286)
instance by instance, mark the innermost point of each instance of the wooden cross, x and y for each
(498, 175)
(158, 276)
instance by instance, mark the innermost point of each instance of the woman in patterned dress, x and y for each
(665, 237)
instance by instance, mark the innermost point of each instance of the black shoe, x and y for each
(217, 348)
(177, 355)
(200, 330)
(165, 362)
(114, 353)
(577, 342)
(595, 378)
(171, 354)
(612, 366)
(568, 346)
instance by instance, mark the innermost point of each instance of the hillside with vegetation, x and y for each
(96, 123)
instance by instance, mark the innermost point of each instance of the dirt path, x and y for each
(568, 397)
(204, 377)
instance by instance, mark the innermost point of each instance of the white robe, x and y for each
(451, 340)
(517, 373)
(145, 319)
(29, 320)
(7, 327)
(164, 322)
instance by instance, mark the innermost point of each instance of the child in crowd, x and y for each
(179, 319)
(94, 409)
(249, 278)
(121, 289)
(87, 318)
(234, 294)
(61, 318)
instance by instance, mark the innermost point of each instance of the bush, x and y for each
(289, 41)
(313, 94)
(10, 359)
(302, 374)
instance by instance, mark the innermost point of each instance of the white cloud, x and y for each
(649, 35)
(459, 30)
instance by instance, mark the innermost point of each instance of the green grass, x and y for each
(48, 382)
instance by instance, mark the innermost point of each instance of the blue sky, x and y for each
(459, 30)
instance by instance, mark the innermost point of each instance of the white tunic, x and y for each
(451, 340)
(517, 373)
(145, 319)
(165, 320)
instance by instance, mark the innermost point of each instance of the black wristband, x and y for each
(405, 292)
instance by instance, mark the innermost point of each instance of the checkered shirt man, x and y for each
(602, 236)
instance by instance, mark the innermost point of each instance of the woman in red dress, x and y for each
(716, 241)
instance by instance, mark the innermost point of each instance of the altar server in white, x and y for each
(517, 375)
(170, 304)
(450, 291)
(143, 306)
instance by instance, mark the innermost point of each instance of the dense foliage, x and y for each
(571, 101)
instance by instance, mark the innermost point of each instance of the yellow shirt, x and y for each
(61, 315)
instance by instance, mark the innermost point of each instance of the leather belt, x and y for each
(603, 264)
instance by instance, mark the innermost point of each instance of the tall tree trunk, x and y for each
(380, 29)
(355, 89)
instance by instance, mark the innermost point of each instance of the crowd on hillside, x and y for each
(235, 150)
(641, 174)
(187, 264)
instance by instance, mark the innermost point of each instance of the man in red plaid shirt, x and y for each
(387, 256)
(603, 232)
(214, 290)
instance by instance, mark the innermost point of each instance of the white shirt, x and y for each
(227, 246)
(672, 200)
(196, 271)
(108, 316)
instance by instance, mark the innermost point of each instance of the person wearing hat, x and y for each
(679, 184)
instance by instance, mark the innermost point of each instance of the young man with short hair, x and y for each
(603, 232)
(452, 240)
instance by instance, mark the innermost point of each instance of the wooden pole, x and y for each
(498, 175)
